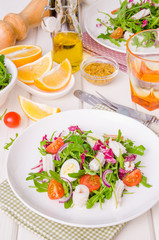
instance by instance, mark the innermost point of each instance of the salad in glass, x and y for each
(81, 169)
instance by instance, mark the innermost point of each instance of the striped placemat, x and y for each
(94, 48)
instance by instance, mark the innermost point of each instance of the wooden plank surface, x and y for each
(144, 227)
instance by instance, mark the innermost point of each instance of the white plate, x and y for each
(24, 154)
(47, 95)
(91, 20)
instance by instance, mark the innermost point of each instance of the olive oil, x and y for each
(68, 45)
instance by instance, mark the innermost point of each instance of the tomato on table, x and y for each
(133, 178)
(117, 33)
(55, 146)
(55, 190)
(115, 10)
(92, 182)
(12, 119)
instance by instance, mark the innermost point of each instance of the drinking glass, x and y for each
(143, 65)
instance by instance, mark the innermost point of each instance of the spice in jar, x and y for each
(99, 72)
(99, 69)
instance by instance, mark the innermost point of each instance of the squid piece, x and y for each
(117, 147)
(119, 188)
(48, 163)
(80, 195)
(141, 14)
(94, 164)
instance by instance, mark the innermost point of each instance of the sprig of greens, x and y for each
(1, 117)
(7, 145)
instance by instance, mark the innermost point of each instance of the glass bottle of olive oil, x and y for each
(67, 37)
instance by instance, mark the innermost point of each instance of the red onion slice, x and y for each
(71, 191)
(57, 157)
(130, 158)
(104, 177)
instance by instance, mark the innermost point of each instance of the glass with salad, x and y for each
(79, 168)
(143, 65)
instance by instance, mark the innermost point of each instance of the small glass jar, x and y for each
(98, 76)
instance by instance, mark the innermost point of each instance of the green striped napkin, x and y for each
(44, 228)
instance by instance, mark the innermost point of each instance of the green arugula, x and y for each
(1, 117)
(144, 182)
(123, 18)
(4, 75)
(77, 145)
(7, 145)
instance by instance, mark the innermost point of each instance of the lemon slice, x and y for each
(36, 111)
(31, 71)
(22, 54)
(55, 79)
(141, 92)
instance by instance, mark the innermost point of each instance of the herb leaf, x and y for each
(4, 75)
(7, 145)
(3, 114)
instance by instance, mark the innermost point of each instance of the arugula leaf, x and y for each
(139, 150)
(39, 176)
(144, 182)
(68, 204)
(41, 187)
(7, 145)
(95, 198)
(77, 175)
(56, 176)
(120, 159)
(3, 114)
(119, 136)
(41, 148)
(155, 1)
(4, 75)
(107, 36)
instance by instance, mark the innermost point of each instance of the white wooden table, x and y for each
(145, 227)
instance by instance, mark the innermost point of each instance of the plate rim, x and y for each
(153, 202)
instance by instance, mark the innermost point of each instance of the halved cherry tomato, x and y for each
(117, 33)
(12, 119)
(55, 146)
(55, 190)
(115, 10)
(92, 182)
(133, 178)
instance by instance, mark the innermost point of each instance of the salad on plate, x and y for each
(132, 17)
(80, 168)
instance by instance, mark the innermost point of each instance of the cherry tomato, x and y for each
(117, 33)
(55, 146)
(133, 178)
(12, 119)
(55, 190)
(115, 10)
(92, 182)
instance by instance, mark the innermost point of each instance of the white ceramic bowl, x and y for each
(13, 70)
